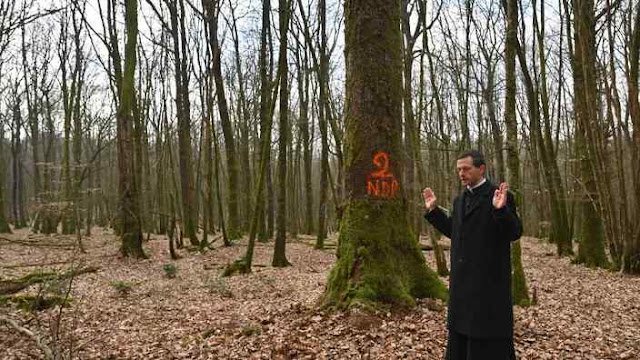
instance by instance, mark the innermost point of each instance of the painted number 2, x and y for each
(381, 182)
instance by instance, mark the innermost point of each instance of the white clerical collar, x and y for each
(484, 180)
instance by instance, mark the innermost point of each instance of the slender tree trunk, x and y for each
(227, 129)
(77, 127)
(322, 124)
(265, 123)
(293, 178)
(183, 115)
(49, 215)
(4, 224)
(271, 199)
(131, 234)
(243, 116)
(434, 235)
(519, 285)
(279, 253)
(631, 256)
(16, 150)
(591, 247)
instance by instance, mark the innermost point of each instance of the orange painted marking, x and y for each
(381, 182)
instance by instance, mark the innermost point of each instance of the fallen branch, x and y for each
(13, 286)
(38, 243)
(13, 266)
(46, 350)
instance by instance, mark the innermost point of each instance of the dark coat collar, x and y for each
(480, 190)
(475, 197)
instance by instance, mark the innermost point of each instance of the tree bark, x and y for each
(519, 285)
(279, 253)
(131, 234)
(591, 247)
(379, 260)
(631, 256)
(322, 124)
(234, 226)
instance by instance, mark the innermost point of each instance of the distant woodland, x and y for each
(217, 119)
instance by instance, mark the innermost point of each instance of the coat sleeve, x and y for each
(508, 220)
(440, 220)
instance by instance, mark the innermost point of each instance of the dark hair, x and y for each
(476, 157)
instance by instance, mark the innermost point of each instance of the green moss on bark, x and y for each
(379, 262)
(518, 280)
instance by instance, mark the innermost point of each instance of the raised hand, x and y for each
(429, 199)
(500, 196)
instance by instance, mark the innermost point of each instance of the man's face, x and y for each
(468, 173)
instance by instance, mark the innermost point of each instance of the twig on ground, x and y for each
(46, 350)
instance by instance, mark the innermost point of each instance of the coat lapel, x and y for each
(480, 195)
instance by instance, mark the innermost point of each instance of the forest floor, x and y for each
(129, 309)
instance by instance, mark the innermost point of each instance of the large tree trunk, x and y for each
(131, 233)
(378, 257)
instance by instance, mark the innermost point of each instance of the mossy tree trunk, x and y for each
(518, 280)
(131, 226)
(306, 123)
(560, 229)
(265, 121)
(279, 253)
(561, 234)
(243, 265)
(379, 260)
(322, 124)
(183, 114)
(591, 247)
(234, 225)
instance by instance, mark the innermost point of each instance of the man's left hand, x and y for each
(500, 196)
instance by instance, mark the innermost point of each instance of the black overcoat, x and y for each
(480, 302)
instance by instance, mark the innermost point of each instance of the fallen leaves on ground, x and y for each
(272, 313)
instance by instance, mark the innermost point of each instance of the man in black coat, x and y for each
(482, 224)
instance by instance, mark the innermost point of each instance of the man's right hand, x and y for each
(429, 199)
